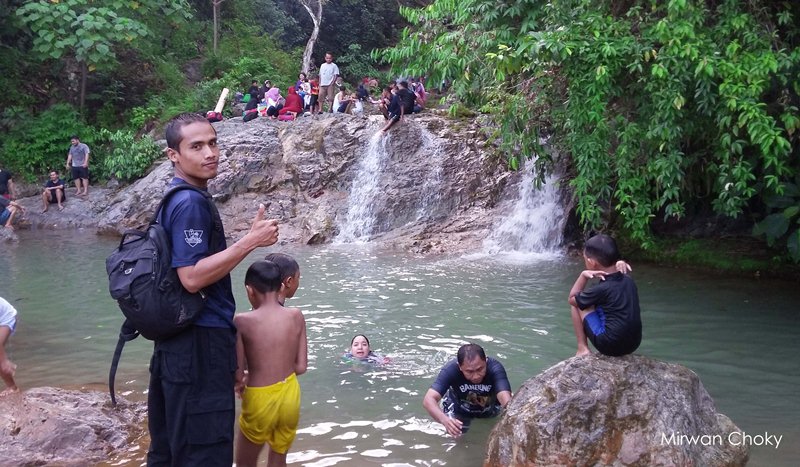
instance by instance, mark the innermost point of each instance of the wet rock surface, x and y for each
(439, 187)
(59, 427)
(619, 411)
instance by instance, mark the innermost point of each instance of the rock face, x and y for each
(601, 410)
(51, 426)
(437, 188)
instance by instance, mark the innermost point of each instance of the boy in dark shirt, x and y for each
(606, 313)
(402, 104)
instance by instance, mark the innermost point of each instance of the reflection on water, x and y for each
(738, 335)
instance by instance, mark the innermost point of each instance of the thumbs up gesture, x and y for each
(264, 231)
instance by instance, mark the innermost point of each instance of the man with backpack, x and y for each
(190, 403)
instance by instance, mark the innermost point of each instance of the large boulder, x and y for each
(52, 426)
(619, 411)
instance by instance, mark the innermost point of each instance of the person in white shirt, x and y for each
(328, 73)
(8, 321)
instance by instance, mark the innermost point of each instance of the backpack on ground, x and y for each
(146, 286)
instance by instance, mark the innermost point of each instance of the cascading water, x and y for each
(429, 194)
(535, 224)
(360, 218)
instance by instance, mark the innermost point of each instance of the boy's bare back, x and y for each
(274, 341)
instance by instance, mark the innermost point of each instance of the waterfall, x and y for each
(536, 222)
(360, 218)
(430, 192)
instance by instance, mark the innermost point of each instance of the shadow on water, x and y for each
(738, 335)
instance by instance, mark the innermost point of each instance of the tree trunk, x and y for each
(317, 19)
(215, 9)
(84, 72)
(214, 6)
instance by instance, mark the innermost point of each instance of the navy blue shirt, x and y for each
(473, 399)
(618, 297)
(188, 220)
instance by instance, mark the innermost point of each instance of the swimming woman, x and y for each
(360, 351)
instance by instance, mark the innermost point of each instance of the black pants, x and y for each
(190, 404)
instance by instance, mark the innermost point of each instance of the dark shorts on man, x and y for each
(394, 117)
(4, 215)
(80, 172)
(54, 198)
(594, 325)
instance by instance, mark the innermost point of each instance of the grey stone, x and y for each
(616, 411)
(52, 426)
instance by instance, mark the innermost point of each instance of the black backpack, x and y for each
(146, 286)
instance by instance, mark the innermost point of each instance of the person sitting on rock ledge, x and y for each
(472, 386)
(8, 321)
(53, 192)
(8, 210)
(607, 312)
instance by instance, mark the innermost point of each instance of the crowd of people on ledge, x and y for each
(327, 92)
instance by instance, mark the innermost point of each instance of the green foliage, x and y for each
(355, 64)
(659, 105)
(125, 156)
(87, 32)
(36, 144)
(783, 224)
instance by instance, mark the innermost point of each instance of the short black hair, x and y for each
(176, 123)
(264, 276)
(74, 137)
(470, 351)
(404, 84)
(354, 338)
(602, 249)
(286, 264)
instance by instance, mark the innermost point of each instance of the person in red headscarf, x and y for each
(293, 105)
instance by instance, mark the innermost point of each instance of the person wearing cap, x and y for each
(78, 162)
(471, 386)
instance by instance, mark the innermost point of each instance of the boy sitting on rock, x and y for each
(607, 312)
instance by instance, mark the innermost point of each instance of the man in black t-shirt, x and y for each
(472, 386)
(53, 192)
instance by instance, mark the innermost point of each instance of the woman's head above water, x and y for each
(359, 346)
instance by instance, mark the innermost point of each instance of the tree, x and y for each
(80, 31)
(663, 108)
(215, 6)
(314, 9)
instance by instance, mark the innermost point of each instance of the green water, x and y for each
(739, 335)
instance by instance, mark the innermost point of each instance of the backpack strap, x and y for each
(126, 333)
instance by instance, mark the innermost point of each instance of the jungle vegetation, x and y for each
(661, 111)
(665, 109)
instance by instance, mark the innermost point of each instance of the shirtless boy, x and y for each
(272, 349)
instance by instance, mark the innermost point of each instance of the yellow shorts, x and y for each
(270, 414)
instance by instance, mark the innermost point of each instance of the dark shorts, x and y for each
(4, 216)
(394, 117)
(191, 404)
(313, 101)
(594, 325)
(54, 198)
(80, 172)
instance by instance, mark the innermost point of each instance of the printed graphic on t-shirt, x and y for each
(193, 237)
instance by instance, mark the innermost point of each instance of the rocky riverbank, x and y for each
(438, 188)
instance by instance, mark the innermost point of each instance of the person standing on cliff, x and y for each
(328, 73)
(607, 312)
(78, 162)
(472, 386)
(190, 402)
